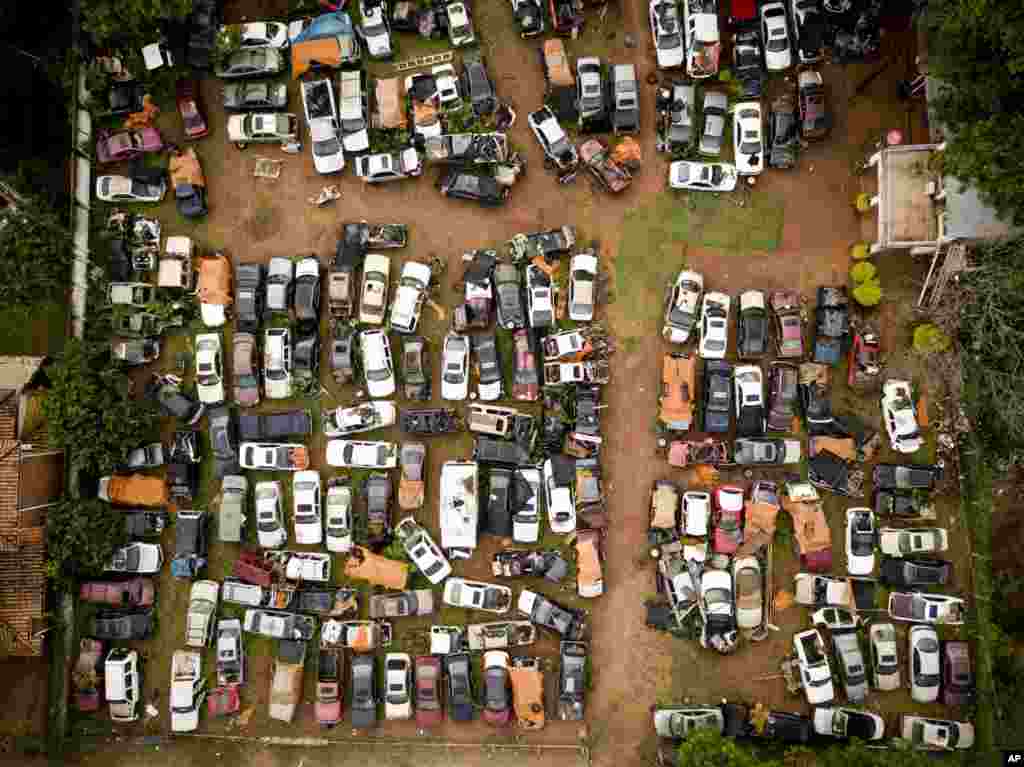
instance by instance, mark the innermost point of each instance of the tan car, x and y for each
(246, 370)
(589, 572)
(678, 392)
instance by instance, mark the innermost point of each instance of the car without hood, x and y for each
(716, 106)
(900, 416)
(927, 734)
(748, 578)
(682, 307)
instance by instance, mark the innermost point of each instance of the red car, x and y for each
(865, 358)
(789, 327)
(224, 701)
(957, 677)
(526, 379)
(190, 110)
(728, 519)
(127, 144)
(138, 592)
(428, 692)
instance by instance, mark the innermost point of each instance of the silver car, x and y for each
(851, 666)
(280, 273)
(716, 105)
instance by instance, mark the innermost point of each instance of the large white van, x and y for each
(123, 684)
(459, 506)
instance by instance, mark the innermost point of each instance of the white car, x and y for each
(422, 550)
(460, 25)
(582, 287)
(412, 290)
(377, 366)
(277, 363)
(778, 53)
(900, 416)
(447, 86)
(124, 189)
(264, 34)
(357, 419)
(860, 541)
(373, 299)
(667, 33)
(397, 686)
(714, 326)
(309, 527)
(696, 513)
(716, 594)
(328, 153)
(748, 382)
(477, 595)
(455, 367)
(840, 722)
(270, 529)
(924, 664)
(209, 372)
(936, 734)
(884, 656)
(339, 517)
(815, 674)
(188, 690)
(352, 112)
(202, 613)
(558, 498)
(748, 138)
(374, 28)
(746, 573)
(357, 454)
(683, 309)
(139, 558)
(557, 145)
(702, 176)
(388, 166)
(526, 520)
(540, 311)
(911, 541)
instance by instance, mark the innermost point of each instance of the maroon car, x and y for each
(789, 326)
(497, 688)
(190, 110)
(865, 366)
(428, 692)
(526, 380)
(138, 592)
(782, 396)
(957, 677)
(728, 519)
(127, 144)
(224, 701)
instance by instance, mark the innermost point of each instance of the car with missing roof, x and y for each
(557, 146)
(926, 734)
(860, 541)
(666, 30)
(900, 416)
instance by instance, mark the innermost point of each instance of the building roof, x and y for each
(906, 212)
(23, 597)
(16, 371)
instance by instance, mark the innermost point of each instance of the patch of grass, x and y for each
(35, 330)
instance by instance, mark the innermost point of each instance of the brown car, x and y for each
(138, 592)
(429, 712)
(957, 677)
(678, 387)
(246, 370)
(589, 554)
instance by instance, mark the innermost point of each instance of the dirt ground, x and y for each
(795, 231)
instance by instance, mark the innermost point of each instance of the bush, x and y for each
(862, 272)
(81, 537)
(868, 293)
(860, 251)
(929, 339)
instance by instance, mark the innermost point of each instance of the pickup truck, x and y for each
(560, 373)
(322, 118)
(188, 690)
(272, 426)
(936, 609)
(133, 490)
(274, 457)
(286, 685)
(467, 148)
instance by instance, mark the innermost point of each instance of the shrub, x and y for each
(868, 293)
(862, 272)
(929, 339)
(860, 251)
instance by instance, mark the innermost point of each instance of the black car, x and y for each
(588, 410)
(145, 524)
(717, 396)
(415, 368)
(810, 30)
(364, 692)
(915, 572)
(222, 442)
(567, 622)
(120, 267)
(191, 543)
(489, 450)
(306, 361)
(747, 58)
(203, 26)
(166, 391)
(752, 326)
(473, 186)
(307, 296)
(182, 482)
(901, 504)
(489, 366)
(274, 427)
(116, 624)
(572, 680)
(832, 325)
(783, 140)
(377, 489)
(498, 517)
(830, 472)
(787, 727)
(816, 404)
(248, 296)
(326, 601)
(529, 16)
(125, 97)
(509, 293)
(185, 447)
(477, 86)
(894, 476)
(460, 687)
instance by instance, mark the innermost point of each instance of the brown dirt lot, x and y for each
(794, 231)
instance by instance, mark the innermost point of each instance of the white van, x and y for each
(459, 505)
(237, 591)
(123, 684)
(491, 419)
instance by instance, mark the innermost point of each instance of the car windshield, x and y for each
(327, 148)
(777, 44)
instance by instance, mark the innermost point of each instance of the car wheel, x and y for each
(549, 164)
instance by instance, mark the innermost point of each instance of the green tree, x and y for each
(90, 411)
(81, 536)
(976, 49)
(130, 22)
(863, 271)
(929, 338)
(35, 253)
(707, 748)
(868, 293)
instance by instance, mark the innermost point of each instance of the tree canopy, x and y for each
(81, 536)
(976, 50)
(132, 22)
(35, 253)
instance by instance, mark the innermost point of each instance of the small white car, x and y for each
(683, 308)
(262, 128)
(748, 138)
(477, 595)
(860, 541)
(778, 53)
(667, 33)
(460, 25)
(422, 550)
(339, 517)
(884, 656)
(124, 189)
(840, 722)
(326, 146)
(309, 527)
(447, 86)
(540, 310)
(526, 520)
(209, 371)
(357, 454)
(815, 674)
(277, 363)
(264, 34)
(374, 28)
(270, 529)
(558, 498)
(748, 382)
(388, 166)
(936, 734)
(747, 579)
(377, 366)
(696, 513)
(911, 541)
(139, 558)
(412, 291)
(373, 300)
(900, 416)
(714, 326)
(702, 176)
(924, 664)
(455, 367)
(582, 287)
(397, 686)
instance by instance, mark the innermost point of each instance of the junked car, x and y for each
(924, 664)
(884, 656)
(714, 335)
(748, 138)
(702, 176)
(665, 28)
(125, 145)
(553, 139)
(716, 105)
(860, 541)
(789, 329)
(477, 595)
(900, 542)
(681, 310)
(378, 369)
(900, 416)
(256, 95)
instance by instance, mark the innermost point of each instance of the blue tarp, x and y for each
(327, 25)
